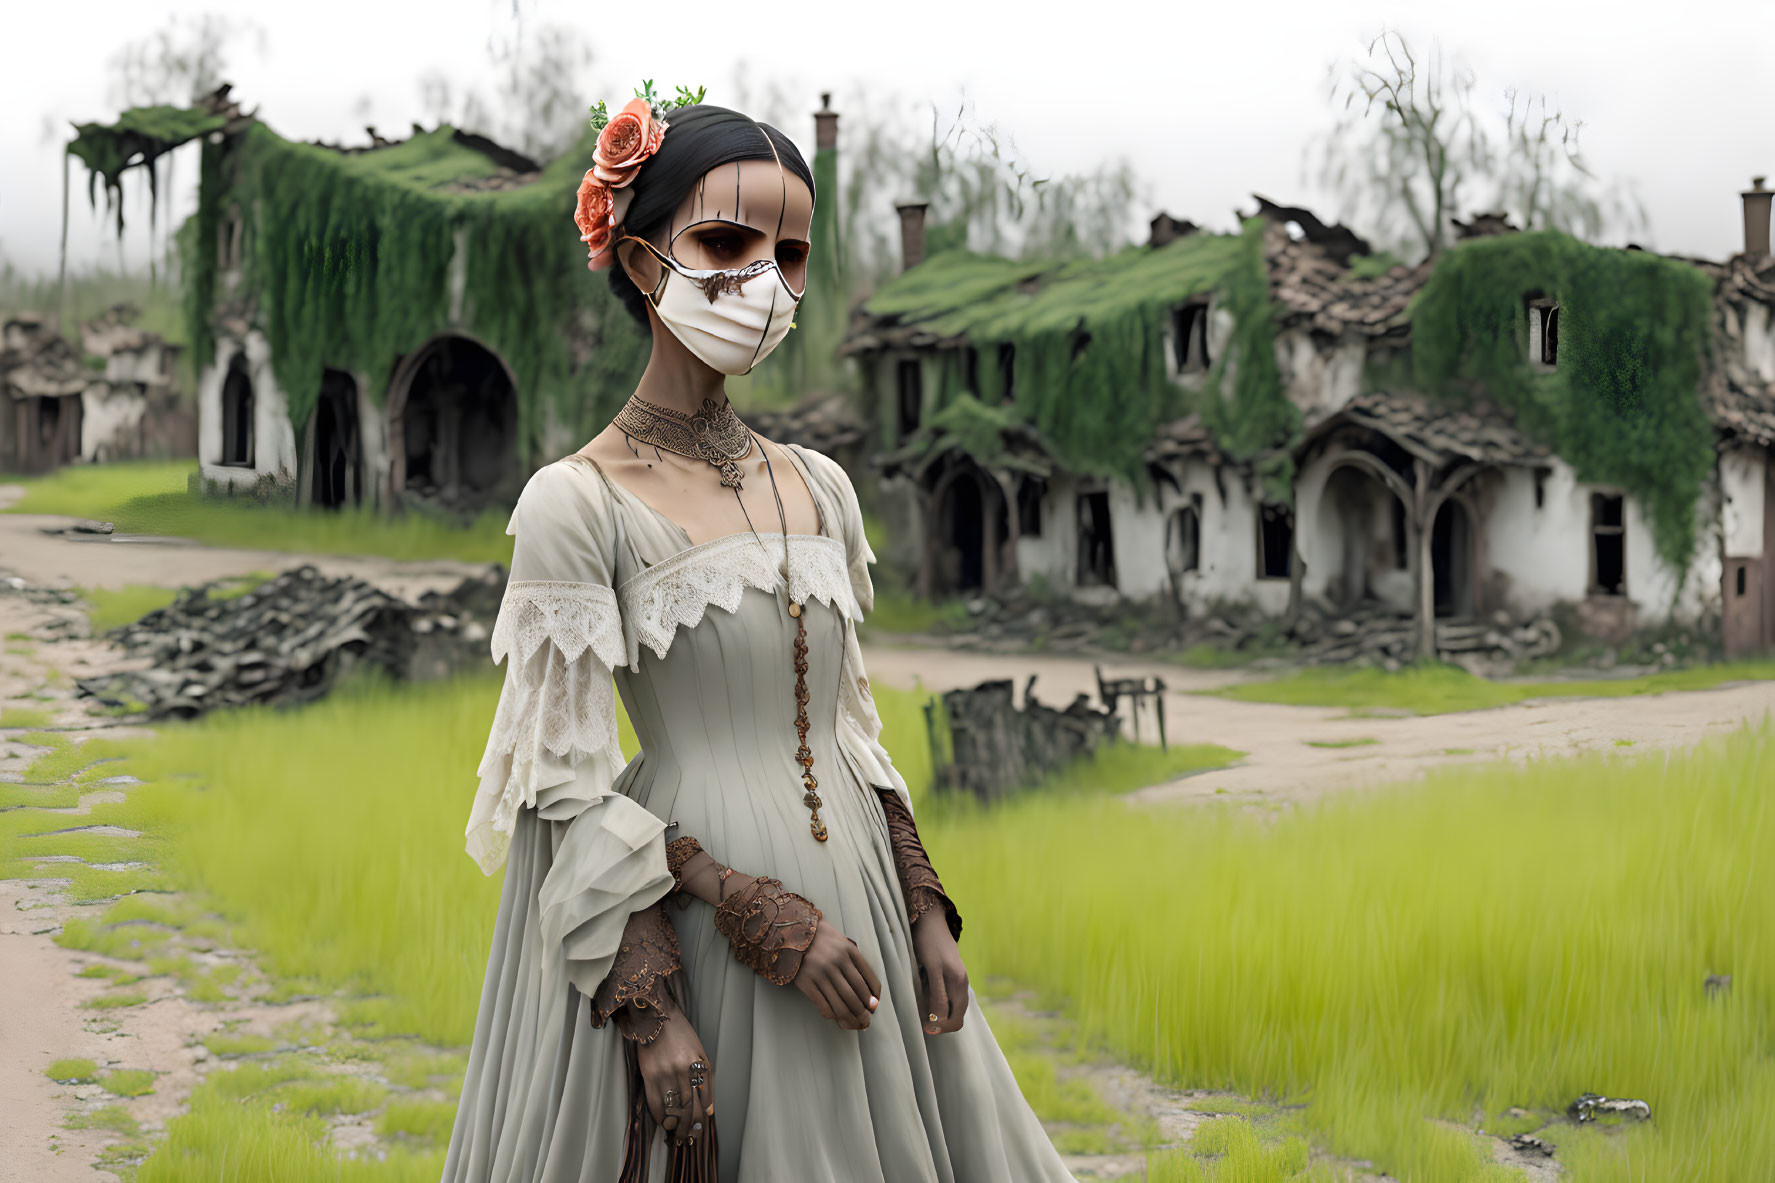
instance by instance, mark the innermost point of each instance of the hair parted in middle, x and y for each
(701, 137)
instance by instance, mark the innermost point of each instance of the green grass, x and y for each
(1362, 742)
(1439, 689)
(903, 612)
(73, 1072)
(1486, 940)
(25, 717)
(129, 1082)
(109, 1117)
(1231, 1150)
(424, 1121)
(116, 1001)
(110, 607)
(152, 497)
(1490, 939)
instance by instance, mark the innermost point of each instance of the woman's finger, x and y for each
(956, 989)
(656, 1102)
(861, 988)
(870, 978)
(687, 1099)
(853, 1006)
(938, 1003)
(840, 1012)
(810, 986)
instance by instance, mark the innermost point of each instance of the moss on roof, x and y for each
(989, 298)
(1086, 337)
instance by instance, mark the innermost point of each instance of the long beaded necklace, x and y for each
(715, 434)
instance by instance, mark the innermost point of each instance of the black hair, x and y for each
(698, 138)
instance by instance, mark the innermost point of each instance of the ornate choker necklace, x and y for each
(714, 433)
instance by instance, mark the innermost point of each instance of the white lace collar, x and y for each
(677, 592)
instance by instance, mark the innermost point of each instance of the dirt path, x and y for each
(1282, 762)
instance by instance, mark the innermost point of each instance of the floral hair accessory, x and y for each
(625, 141)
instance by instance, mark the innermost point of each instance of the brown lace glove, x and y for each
(918, 879)
(769, 928)
(637, 991)
(680, 851)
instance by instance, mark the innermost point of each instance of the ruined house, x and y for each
(1273, 418)
(114, 397)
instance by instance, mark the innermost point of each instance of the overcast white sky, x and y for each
(1209, 101)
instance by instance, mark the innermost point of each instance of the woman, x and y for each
(742, 921)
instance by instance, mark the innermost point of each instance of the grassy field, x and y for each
(1439, 689)
(1401, 960)
(1396, 962)
(151, 497)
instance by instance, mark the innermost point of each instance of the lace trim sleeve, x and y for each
(556, 718)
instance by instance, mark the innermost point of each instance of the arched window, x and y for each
(1183, 539)
(237, 415)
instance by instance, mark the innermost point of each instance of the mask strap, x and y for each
(666, 265)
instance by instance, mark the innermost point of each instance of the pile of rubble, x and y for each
(1372, 634)
(291, 639)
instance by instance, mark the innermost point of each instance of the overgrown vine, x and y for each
(1622, 405)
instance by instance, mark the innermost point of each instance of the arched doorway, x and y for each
(453, 412)
(237, 414)
(1451, 560)
(961, 564)
(1365, 525)
(337, 477)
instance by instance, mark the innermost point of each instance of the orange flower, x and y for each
(595, 220)
(629, 138)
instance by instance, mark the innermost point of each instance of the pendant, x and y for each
(730, 475)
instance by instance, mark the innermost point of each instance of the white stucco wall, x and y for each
(1318, 378)
(1741, 488)
(110, 417)
(274, 440)
(1544, 553)
(1759, 340)
(1227, 563)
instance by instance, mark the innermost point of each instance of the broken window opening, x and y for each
(1007, 371)
(1543, 332)
(237, 415)
(1189, 338)
(909, 377)
(1741, 578)
(1080, 341)
(970, 370)
(1030, 493)
(1275, 541)
(1097, 558)
(1183, 538)
(1608, 545)
(1401, 537)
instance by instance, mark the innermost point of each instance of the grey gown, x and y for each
(701, 647)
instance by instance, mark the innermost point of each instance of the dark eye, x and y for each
(722, 246)
(790, 253)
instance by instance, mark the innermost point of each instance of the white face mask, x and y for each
(729, 318)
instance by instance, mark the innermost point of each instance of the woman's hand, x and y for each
(838, 980)
(676, 1064)
(943, 993)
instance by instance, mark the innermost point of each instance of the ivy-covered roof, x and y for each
(987, 298)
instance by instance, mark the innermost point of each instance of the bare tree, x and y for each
(1544, 181)
(1408, 150)
(538, 103)
(179, 62)
(1405, 143)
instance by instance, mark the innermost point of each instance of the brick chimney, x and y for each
(1756, 218)
(911, 233)
(825, 124)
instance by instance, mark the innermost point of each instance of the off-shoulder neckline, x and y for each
(684, 535)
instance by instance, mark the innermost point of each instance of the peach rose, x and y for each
(629, 138)
(595, 220)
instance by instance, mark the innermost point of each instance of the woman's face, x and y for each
(737, 214)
